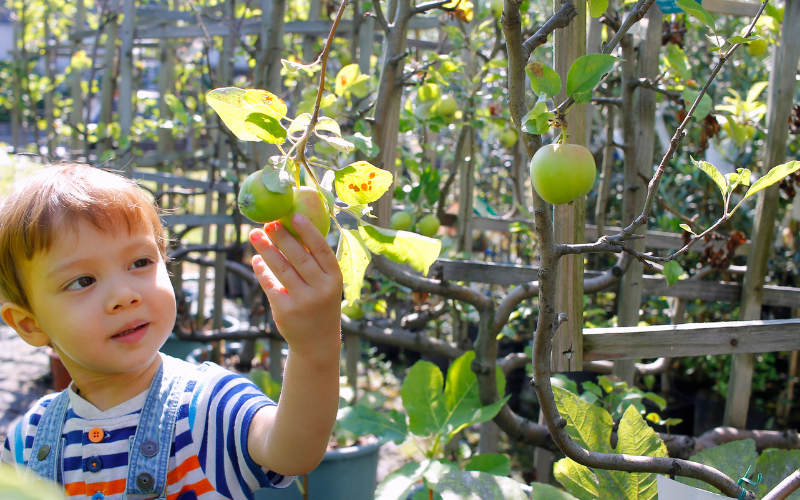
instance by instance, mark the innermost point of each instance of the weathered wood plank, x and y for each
(729, 7)
(697, 339)
(252, 27)
(176, 180)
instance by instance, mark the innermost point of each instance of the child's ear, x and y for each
(24, 323)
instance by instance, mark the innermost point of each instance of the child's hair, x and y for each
(41, 205)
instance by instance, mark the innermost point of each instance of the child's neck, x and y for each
(109, 391)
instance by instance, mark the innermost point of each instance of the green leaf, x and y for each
(403, 247)
(677, 59)
(636, 438)
(233, 105)
(588, 425)
(353, 257)
(696, 10)
(490, 463)
(364, 144)
(436, 470)
(672, 421)
(325, 124)
(774, 466)
(293, 67)
(338, 143)
(703, 107)
(299, 124)
(422, 398)
(360, 420)
(266, 383)
(587, 71)
(536, 120)
(597, 7)
(463, 404)
(577, 479)
(544, 79)
(715, 175)
(398, 484)
(686, 228)
(672, 271)
(755, 91)
(474, 485)
(740, 39)
(731, 459)
(327, 101)
(350, 78)
(361, 182)
(265, 127)
(774, 175)
(276, 179)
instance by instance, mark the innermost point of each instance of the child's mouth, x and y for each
(128, 334)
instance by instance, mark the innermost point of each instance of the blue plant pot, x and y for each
(344, 474)
(670, 7)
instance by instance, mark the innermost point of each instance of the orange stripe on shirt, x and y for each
(187, 466)
(200, 487)
(107, 488)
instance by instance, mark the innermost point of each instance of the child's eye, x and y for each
(82, 282)
(142, 263)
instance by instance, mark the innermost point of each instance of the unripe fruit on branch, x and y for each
(401, 221)
(447, 106)
(428, 225)
(354, 312)
(562, 172)
(308, 202)
(508, 138)
(259, 204)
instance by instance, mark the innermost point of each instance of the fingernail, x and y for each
(270, 226)
(256, 236)
(299, 219)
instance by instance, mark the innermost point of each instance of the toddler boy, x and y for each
(83, 269)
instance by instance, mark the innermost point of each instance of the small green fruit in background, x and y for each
(428, 225)
(428, 92)
(401, 221)
(562, 172)
(354, 312)
(757, 47)
(309, 203)
(259, 204)
(447, 106)
(508, 138)
(497, 7)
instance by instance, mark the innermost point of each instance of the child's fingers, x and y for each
(266, 278)
(302, 261)
(275, 262)
(316, 244)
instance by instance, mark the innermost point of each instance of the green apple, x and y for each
(497, 7)
(757, 47)
(562, 172)
(447, 106)
(307, 201)
(428, 92)
(401, 221)
(428, 225)
(259, 204)
(354, 312)
(508, 137)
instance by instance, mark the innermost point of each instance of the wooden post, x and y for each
(77, 93)
(605, 173)
(49, 59)
(638, 129)
(126, 92)
(466, 188)
(107, 83)
(570, 218)
(166, 84)
(781, 90)
(366, 39)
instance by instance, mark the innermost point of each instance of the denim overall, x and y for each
(149, 450)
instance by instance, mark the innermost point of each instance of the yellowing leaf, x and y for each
(361, 182)
(402, 247)
(233, 105)
(345, 77)
(353, 257)
(326, 124)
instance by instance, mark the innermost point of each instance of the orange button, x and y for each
(96, 435)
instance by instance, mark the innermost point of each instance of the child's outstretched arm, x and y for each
(304, 288)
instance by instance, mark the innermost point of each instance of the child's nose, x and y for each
(124, 297)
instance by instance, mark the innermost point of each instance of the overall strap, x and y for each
(46, 451)
(149, 455)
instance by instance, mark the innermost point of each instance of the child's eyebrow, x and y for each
(80, 262)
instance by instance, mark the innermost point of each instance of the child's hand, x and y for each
(304, 287)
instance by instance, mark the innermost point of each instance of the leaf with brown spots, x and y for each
(361, 182)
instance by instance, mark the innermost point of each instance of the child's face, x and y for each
(90, 287)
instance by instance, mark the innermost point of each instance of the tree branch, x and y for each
(376, 6)
(560, 19)
(646, 83)
(425, 7)
(417, 341)
(428, 285)
(785, 488)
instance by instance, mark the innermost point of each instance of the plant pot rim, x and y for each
(352, 451)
